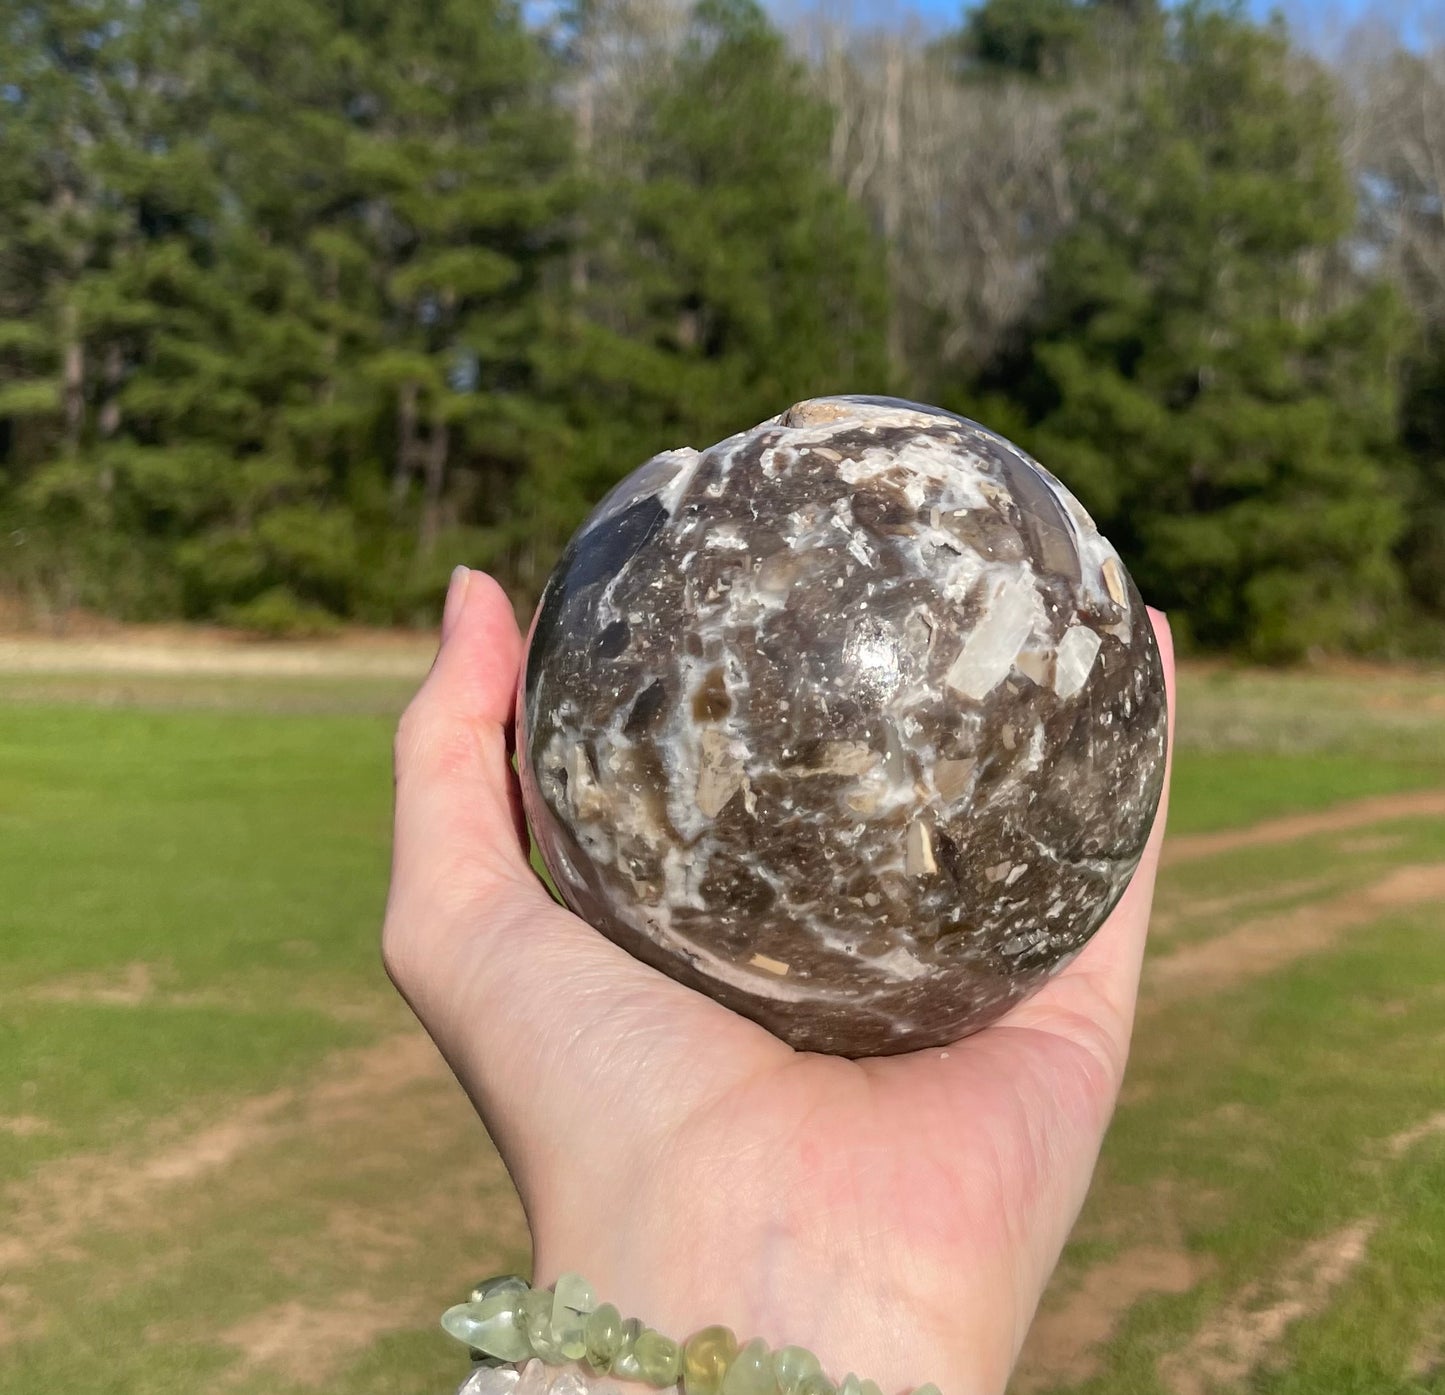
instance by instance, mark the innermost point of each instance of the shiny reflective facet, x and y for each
(853, 722)
(706, 1356)
(492, 1326)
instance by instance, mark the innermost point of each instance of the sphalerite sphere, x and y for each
(853, 722)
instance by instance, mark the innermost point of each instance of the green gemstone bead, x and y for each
(537, 1324)
(816, 1384)
(625, 1365)
(490, 1326)
(572, 1300)
(851, 1385)
(659, 1358)
(751, 1372)
(706, 1356)
(574, 1292)
(791, 1364)
(507, 1300)
(871, 1387)
(604, 1336)
(500, 1283)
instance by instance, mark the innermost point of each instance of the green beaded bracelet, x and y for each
(507, 1321)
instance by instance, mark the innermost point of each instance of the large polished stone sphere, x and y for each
(853, 722)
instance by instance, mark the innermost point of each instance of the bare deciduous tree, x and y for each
(1397, 148)
(966, 181)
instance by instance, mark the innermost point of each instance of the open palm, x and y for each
(898, 1215)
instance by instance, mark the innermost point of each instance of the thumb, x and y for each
(458, 808)
(524, 999)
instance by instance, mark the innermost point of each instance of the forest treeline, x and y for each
(303, 301)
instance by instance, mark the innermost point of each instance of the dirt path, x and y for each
(1066, 1341)
(1241, 1334)
(1063, 1346)
(211, 654)
(62, 1201)
(1165, 921)
(1339, 818)
(372, 1252)
(1264, 945)
(1406, 1139)
(308, 1343)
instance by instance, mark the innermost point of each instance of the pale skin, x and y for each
(898, 1216)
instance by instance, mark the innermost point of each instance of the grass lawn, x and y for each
(224, 1145)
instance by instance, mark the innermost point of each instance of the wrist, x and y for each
(905, 1325)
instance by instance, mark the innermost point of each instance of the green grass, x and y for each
(236, 860)
(194, 873)
(1266, 1114)
(1224, 789)
(214, 842)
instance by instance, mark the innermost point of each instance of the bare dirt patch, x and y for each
(1342, 818)
(1428, 1358)
(1370, 843)
(131, 986)
(64, 1200)
(25, 1125)
(395, 1204)
(216, 653)
(306, 1344)
(19, 1319)
(140, 985)
(1402, 1142)
(1169, 919)
(1242, 1334)
(1269, 943)
(1067, 1342)
(1063, 1344)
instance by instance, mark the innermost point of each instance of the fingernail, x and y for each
(456, 600)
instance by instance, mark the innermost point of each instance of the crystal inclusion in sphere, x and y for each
(853, 722)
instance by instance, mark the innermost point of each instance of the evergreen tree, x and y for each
(60, 67)
(412, 165)
(1423, 438)
(1049, 40)
(271, 298)
(728, 274)
(1208, 374)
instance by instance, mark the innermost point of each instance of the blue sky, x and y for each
(1322, 23)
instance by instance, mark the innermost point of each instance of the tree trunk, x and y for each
(332, 351)
(893, 196)
(72, 370)
(586, 124)
(405, 443)
(112, 370)
(433, 481)
(108, 418)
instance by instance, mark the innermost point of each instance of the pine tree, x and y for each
(1423, 438)
(1049, 40)
(1209, 373)
(273, 286)
(59, 73)
(728, 274)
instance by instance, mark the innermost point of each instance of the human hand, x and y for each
(899, 1216)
